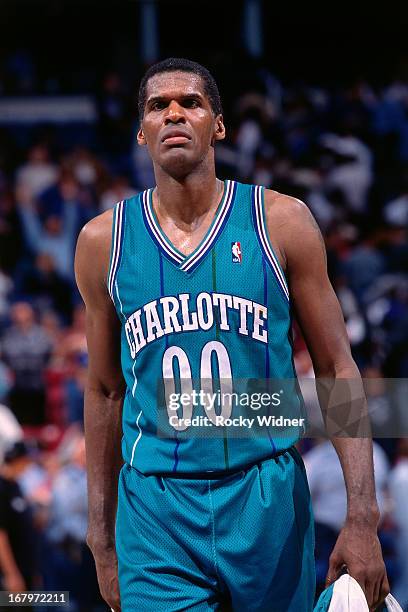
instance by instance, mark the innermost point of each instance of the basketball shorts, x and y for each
(244, 541)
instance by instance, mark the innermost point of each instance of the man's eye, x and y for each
(191, 103)
(157, 106)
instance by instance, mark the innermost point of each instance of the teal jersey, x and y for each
(221, 313)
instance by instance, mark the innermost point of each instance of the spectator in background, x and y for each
(141, 166)
(75, 379)
(364, 264)
(87, 169)
(10, 232)
(68, 511)
(48, 289)
(18, 539)
(352, 172)
(396, 325)
(396, 211)
(70, 564)
(31, 477)
(69, 196)
(74, 340)
(249, 136)
(26, 349)
(119, 189)
(38, 173)
(395, 244)
(73, 351)
(55, 234)
(6, 381)
(10, 430)
(399, 493)
(6, 285)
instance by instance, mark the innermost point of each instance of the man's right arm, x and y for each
(104, 393)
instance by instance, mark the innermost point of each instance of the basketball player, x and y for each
(193, 277)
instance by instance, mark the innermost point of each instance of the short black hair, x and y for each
(179, 64)
(19, 449)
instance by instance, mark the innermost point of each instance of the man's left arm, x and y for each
(301, 250)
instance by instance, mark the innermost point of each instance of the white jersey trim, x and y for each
(116, 249)
(264, 241)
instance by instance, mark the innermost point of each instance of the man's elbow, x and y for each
(335, 367)
(108, 391)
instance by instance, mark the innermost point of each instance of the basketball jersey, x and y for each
(221, 313)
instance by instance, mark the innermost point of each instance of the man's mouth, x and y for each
(175, 137)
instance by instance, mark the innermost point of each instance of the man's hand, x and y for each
(107, 572)
(359, 549)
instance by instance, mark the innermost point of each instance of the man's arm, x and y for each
(31, 225)
(300, 247)
(104, 394)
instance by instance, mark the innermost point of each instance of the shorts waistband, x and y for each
(217, 475)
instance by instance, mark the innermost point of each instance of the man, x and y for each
(26, 349)
(207, 522)
(18, 538)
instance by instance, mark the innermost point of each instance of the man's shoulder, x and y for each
(288, 208)
(287, 218)
(282, 204)
(99, 228)
(93, 251)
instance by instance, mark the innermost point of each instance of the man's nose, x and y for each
(175, 113)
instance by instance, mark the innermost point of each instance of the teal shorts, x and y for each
(241, 542)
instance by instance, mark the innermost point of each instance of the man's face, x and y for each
(179, 126)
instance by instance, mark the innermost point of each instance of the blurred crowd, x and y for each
(344, 151)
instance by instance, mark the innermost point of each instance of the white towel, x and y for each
(348, 596)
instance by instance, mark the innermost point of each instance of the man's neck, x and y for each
(186, 201)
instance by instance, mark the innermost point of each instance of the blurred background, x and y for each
(316, 105)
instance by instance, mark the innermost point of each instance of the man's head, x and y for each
(181, 115)
(178, 64)
(22, 315)
(17, 458)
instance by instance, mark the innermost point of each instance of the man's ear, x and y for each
(219, 128)
(141, 140)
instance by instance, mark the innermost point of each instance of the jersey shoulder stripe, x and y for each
(263, 238)
(118, 225)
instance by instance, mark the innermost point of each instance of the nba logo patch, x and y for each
(236, 252)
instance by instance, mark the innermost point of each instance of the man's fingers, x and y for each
(384, 588)
(377, 593)
(335, 566)
(382, 591)
(376, 589)
(370, 589)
